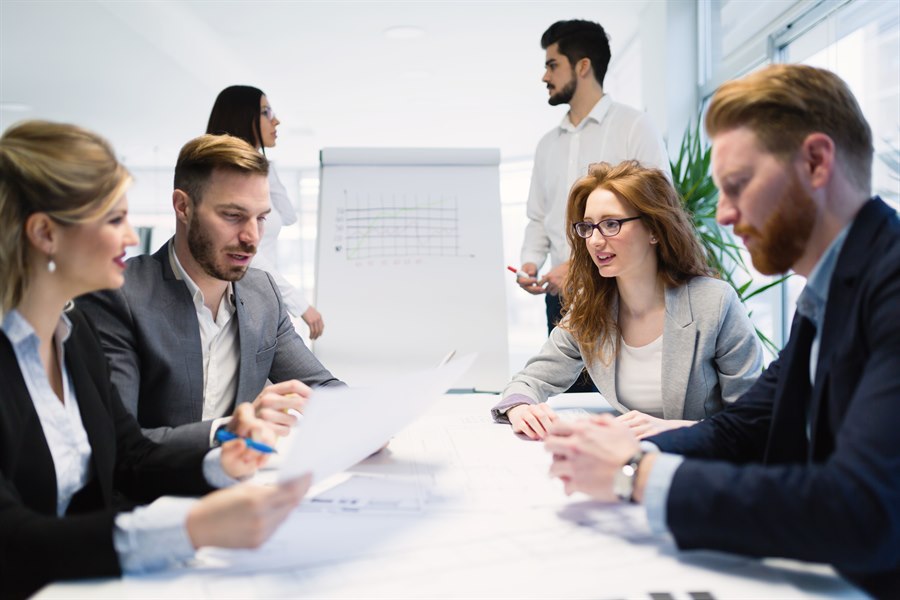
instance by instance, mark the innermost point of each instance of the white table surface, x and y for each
(458, 506)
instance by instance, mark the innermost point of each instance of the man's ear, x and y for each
(817, 159)
(583, 68)
(183, 206)
(42, 232)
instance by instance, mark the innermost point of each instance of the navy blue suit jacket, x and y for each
(755, 484)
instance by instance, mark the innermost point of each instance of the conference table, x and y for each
(457, 506)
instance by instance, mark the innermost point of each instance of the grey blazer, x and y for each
(151, 336)
(711, 356)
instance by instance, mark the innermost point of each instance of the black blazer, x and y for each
(37, 547)
(834, 498)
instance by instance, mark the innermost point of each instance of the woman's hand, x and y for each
(313, 318)
(245, 515)
(532, 420)
(643, 425)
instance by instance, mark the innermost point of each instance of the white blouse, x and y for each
(639, 377)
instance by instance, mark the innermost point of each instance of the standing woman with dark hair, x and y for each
(244, 111)
(665, 343)
(68, 448)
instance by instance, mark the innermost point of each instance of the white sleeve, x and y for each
(294, 299)
(647, 146)
(536, 245)
(154, 537)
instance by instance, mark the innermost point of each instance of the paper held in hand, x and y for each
(341, 427)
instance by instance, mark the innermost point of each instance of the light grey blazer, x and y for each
(710, 356)
(150, 334)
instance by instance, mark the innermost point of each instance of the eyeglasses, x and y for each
(607, 227)
(268, 113)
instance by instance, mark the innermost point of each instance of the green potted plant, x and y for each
(691, 177)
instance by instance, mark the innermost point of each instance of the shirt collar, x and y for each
(811, 302)
(597, 114)
(18, 330)
(193, 288)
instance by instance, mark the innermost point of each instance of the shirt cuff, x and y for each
(501, 408)
(154, 537)
(216, 423)
(656, 492)
(213, 472)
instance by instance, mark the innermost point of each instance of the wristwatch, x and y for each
(623, 480)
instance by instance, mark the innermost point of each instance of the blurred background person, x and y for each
(244, 111)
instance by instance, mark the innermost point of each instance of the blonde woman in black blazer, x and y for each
(72, 460)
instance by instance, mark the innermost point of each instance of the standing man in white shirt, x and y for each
(595, 129)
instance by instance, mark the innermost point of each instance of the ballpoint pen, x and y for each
(223, 435)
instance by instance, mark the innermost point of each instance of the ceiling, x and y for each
(145, 73)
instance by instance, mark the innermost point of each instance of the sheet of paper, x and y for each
(342, 426)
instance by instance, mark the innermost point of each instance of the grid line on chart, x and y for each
(398, 226)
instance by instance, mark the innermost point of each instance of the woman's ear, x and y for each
(42, 232)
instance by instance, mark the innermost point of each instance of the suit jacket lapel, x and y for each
(842, 291)
(679, 343)
(23, 418)
(178, 308)
(787, 435)
(248, 338)
(93, 416)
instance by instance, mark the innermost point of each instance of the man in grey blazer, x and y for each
(194, 331)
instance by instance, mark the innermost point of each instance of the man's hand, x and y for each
(245, 515)
(643, 425)
(587, 454)
(313, 318)
(532, 419)
(275, 402)
(554, 278)
(530, 284)
(239, 460)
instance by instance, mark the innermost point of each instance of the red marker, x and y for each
(519, 273)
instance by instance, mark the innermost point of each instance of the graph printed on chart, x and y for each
(397, 227)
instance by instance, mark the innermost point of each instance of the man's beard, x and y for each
(565, 95)
(785, 233)
(204, 253)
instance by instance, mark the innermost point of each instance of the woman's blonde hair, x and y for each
(590, 300)
(62, 170)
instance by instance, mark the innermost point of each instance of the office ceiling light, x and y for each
(14, 107)
(403, 32)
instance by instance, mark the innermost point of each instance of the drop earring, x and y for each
(51, 265)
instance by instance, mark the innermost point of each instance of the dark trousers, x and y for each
(554, 310)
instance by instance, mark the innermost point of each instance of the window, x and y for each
(858, 40)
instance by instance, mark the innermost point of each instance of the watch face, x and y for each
(623, 480)
(623, 483)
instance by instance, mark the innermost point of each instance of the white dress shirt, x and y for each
(219, 343)
(60, 420)
(612, 132)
